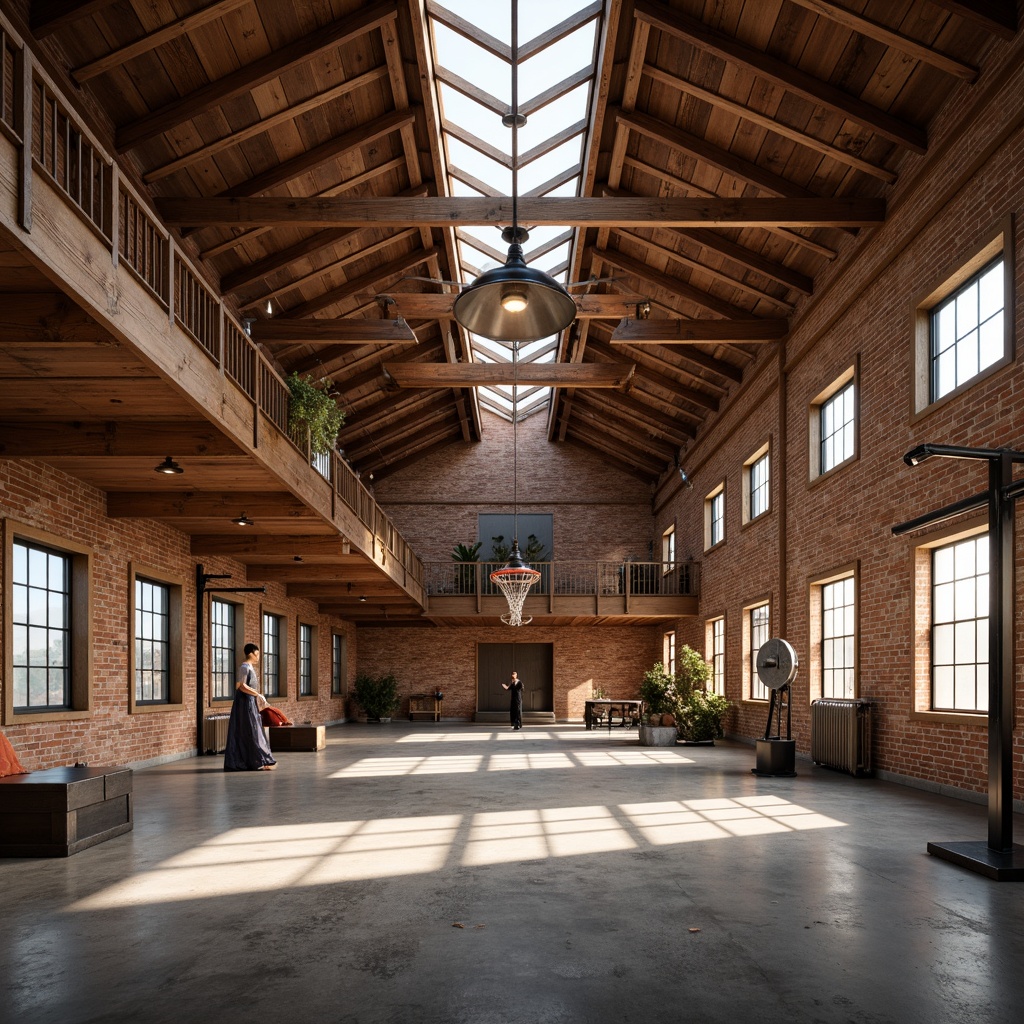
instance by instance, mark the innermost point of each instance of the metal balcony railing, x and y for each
(570, 579)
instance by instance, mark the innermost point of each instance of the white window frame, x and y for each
(714, 644)
(998, 245)
(668, 550)
(755, 634)
(714, 517)
(753, 487)
(817, 410)
(668, 649)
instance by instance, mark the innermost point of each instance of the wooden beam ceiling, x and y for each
(284, 331)
(470, 375)
(690, 332)
(610, 212)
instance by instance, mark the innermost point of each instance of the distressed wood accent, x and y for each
(470, 375)
(250, 76)
(117, 438)
(442, 212)
(332, 332)
(150, 41)
(689, 332)
(202, 505)
(996, 16)
(824, 94)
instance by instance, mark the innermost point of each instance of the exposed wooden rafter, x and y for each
(547, 375)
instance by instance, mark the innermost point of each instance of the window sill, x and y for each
(146, 709)
(977, 719)
(21, 717)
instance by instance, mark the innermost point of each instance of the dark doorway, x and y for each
(533, 662)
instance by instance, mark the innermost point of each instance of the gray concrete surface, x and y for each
(465, 873)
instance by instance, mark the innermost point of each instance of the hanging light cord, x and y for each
(515, 120)
(515, 444)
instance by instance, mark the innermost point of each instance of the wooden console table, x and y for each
(424, 705)
(61, 811)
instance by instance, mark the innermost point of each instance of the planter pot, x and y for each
(657, 735)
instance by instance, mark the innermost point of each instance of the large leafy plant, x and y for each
(377, 695)
(311, 405)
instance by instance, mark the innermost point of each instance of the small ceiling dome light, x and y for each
(168, 466)
(362, 600)
(243, 520)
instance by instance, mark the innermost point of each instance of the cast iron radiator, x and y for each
(841, 734)
(215, 733)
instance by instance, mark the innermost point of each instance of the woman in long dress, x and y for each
(247, 749)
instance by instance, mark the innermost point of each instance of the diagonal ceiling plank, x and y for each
(643, 373)
(471, 375)
(369, 281)
(771, 123)
(890, 37)
(150, 41)
(673, 285)
(50, 15)
(721, 159)
(815, 90)
(252, 75)
(675, 431)
(444, 212)
(996, 16)
(236, 138)
(284, 331)
(364, 135)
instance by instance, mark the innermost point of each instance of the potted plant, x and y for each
(311, 406)
(466, 573)
(377, 696)
(699, 713)
(658, 692)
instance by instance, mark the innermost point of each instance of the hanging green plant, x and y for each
(312, 405)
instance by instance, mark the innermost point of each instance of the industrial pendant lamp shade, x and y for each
(515, 302)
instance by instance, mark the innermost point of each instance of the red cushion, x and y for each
(9, 763)
(272, 716)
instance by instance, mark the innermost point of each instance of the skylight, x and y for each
(558, 43)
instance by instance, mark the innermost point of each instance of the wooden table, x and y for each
(424, 705)
(628, 710)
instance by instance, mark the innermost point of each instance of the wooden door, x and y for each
(533, 662)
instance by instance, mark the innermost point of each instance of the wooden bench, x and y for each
(424, 705)
(61, 811)
(297, 737)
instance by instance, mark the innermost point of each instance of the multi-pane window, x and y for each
(222, 649)
(40, 628)
(668, 550)
(338, 662)
(669, 652)
(714, 517)
(838, 639)
(718, 655)
(837, 416)
(759, 486)
(305, 660)
(967, 331)
(960, 625)
(152, 642)
(270, 655)
(759, 621)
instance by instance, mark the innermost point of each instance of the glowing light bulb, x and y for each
(513, 300)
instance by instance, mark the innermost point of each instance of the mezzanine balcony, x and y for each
(568, 592)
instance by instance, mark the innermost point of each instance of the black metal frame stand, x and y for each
(999, 858)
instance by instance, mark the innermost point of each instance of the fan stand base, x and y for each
(775, 758)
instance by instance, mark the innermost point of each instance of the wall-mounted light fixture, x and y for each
(686, 480)
(168, 466)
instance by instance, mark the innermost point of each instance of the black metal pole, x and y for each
(200, 590)
(1000, 656)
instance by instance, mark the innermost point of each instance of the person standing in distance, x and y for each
(515, 688)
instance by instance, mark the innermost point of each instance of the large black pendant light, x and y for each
(514, 302)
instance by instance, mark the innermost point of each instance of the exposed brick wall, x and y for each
(863, 314)
(584, 657)
(598, 512)
(36, 495)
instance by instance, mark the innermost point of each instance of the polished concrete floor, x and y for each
(463, 873)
